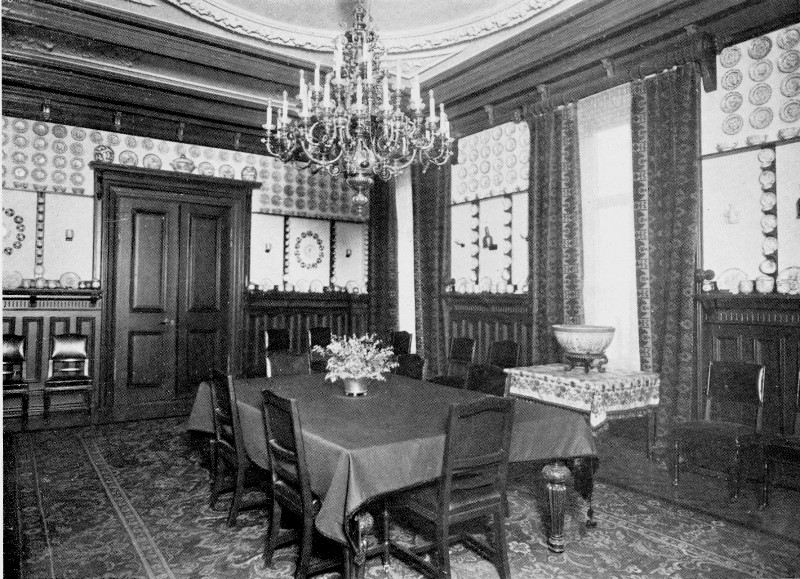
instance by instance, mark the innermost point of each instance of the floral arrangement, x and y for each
(357, 357)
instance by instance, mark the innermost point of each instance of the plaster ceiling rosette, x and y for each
(313, 25)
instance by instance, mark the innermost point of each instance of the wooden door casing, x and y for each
(210, 243)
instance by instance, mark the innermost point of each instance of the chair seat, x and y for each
(425, 501)
(715, 428)
(292, 497)
(78, 380)
(451, 381)
(784, 449)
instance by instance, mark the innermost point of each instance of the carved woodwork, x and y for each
(487, 318)
(344, 313)
(755, 328)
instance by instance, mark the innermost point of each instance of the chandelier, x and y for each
(353, 124)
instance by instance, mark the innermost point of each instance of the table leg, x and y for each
(355, 566)
(583, 470)
(651, 432)
(556, 476)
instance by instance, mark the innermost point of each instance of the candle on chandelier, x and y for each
(285, 107)
(269, 114)
(338, 58)
(399, 76)
(432, 115)
(302, 83)
(444, 123)
(416, 97)
(386, 104)
(316, 77)
(359, 93)
(326, 95)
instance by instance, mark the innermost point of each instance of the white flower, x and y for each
(354, 357)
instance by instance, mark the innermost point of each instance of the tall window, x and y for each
(604, 129)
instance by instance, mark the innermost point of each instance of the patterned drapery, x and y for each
(383, 259)
(556, 252)
(431, 195)
(665, 128)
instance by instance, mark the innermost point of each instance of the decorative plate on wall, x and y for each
(791, 85)
(786, 39)
(730, 56)
(761, 117)
(789, 61)
(760, 94)
(790, 111)
(759, 47)
(308, 250)
(761, 70)
(732, 124)
(729, 279)
(151, 161)
(731, 79)
(731, 102)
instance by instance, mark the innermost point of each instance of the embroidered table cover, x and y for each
(599, 394)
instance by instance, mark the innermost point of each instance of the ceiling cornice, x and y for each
(229, 17)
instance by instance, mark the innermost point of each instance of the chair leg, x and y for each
(236, 501)
(443, 549)
(676, 457)
(271, 538)
(500, 546)
(737, 472)
(216, 479)
(306, 544)
(25, 403)
(764, 502)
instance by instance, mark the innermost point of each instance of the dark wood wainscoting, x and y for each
(39, 314)
(756, 328)
(344, 313)
(487, 318)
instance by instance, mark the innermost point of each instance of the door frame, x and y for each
(158, 184)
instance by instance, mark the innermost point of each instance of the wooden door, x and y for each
(171, 310)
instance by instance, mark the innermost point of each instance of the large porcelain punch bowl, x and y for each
(583, 339)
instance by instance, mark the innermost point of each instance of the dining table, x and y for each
(362, 449)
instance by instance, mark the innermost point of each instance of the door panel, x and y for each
(204, 301)
(146, 304)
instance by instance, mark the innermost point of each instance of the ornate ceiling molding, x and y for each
(228, 17)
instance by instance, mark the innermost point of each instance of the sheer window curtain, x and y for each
(609, 281)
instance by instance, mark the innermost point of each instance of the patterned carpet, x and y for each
(131, 500)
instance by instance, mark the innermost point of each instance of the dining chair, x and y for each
(472, 486)
(462, 354)
(486, 378)
(504, 354)
(286, 363)
(276, 340)
(781, 449)
(68, 369)
(401, 343)
(14, 384)
(319, 336)
(731, 423)
(289, 486)
(411, 365)
(227, 449)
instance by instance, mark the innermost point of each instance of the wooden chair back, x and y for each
(735, 393)
(69, 357)
(476, 451)
(462, 354)
(411, 365)
(276, 340)
(504, 354)
(227, 427)
(287, 456)
(319, 336)
(486, 378)
(288, 364)
(13, 360)
(401, 343)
